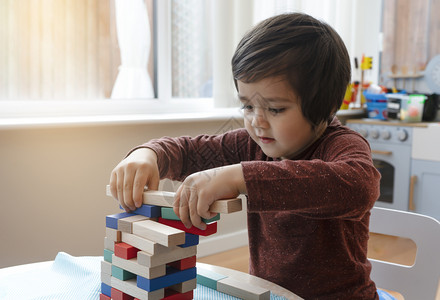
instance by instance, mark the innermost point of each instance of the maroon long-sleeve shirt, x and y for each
(308, 217)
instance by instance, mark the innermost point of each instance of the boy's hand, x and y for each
(201, 189)
(129, 177)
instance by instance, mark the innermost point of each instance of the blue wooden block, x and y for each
(172, 277)
(106, 289)
(151, 211)
(111, 221)
(190, 240)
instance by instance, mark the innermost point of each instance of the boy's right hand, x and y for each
(131, 175)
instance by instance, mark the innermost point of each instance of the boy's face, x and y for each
(273, 117)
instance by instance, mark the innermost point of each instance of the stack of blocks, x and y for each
(150, 254)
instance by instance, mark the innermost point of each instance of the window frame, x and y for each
(163, 107)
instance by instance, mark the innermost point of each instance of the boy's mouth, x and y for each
(266, 140)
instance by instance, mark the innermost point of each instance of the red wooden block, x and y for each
(118, 295)
(104, 297)
(173, 295)
(184, 264)
(126, 251)
(211, 228)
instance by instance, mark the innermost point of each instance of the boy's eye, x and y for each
(247, 107)
(276, 110)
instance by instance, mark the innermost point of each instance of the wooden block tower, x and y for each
(150, 254)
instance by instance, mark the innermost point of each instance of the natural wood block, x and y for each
(143, 243)
(125, 251)
(130, 287)
(113, 234)
(109, 244)
(106, 267)
(111, 221)
(106, 278)
(185, 263)
(242, 289)
(185, 286)
(125, 224)
(150, 260)
(163, 198)
(132, 266)
(159, 233)
(211, 228)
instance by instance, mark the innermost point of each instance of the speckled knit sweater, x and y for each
(308, 217)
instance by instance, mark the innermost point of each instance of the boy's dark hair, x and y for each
(307, 52)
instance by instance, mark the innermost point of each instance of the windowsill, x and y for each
(32, 114)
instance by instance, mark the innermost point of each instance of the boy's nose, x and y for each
(259, 119)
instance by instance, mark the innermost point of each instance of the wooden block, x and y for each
(111, 221)
(168, 213)
(153, 260)
(125, 224)
(143, 243)
(190, 240)
(173, 295)
(226, 206)
(108, 255)
(242, 289)
(122, 274)
(129, 287)
(106, 278)
(119, 295)
(104, 297)
(183, 264)
(106, 289)
(159, 233)
(113, 234)
(151, 211)
(211, 228)
(132, 266)
(185, 286)
(209, 278)
(109, 244)
(106, 267)
(172, 277)
(163, 198)
(125, 251)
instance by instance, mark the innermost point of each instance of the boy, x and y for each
(310, 182)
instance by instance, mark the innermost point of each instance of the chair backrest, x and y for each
(419, 281)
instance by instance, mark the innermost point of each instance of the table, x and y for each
(69, 277)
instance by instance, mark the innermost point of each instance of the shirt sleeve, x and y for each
(181, 156)
(339, 181)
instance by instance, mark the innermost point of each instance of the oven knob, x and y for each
(402, 135)
(386, 135)
(363, 132)
(374, 134)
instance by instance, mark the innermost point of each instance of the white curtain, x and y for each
(134, 38)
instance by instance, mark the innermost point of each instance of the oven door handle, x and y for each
(381, 152)
(412, 182)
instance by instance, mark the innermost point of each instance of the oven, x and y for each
(391, 145)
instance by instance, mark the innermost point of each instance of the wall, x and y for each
(52, 188)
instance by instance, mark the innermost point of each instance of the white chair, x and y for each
(421, 280)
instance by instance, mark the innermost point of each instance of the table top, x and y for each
(244, 277)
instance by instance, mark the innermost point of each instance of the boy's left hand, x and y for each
(199, 190)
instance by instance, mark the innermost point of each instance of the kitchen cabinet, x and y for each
(425, 175)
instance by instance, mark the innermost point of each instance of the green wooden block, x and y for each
(209, 278)
(122, 274)
(168, 213)
(108, 255)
